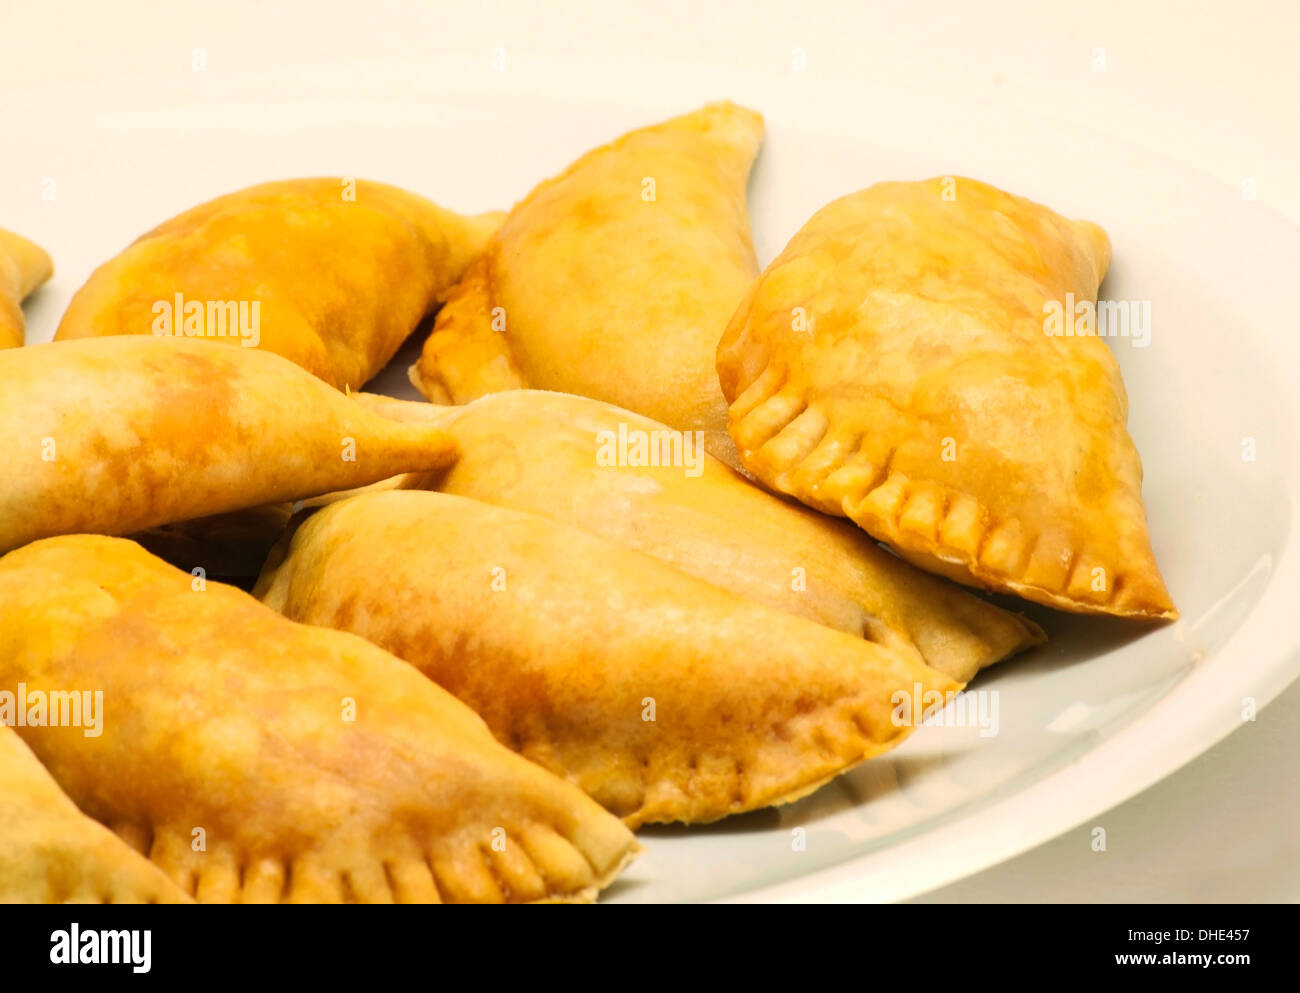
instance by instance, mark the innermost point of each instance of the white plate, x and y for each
(1106, 708)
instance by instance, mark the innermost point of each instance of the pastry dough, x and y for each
(664, 697)
(23, 267)
(613, 280)
(147, 431)
(259, 760)
(894, 366)
(341, 271)
(50, 852)
(553, 454)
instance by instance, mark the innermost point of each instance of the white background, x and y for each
(1215, 85)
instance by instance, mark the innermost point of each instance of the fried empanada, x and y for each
(255, 760)
(50, 852)
(613, 280)
(559, 456)
(333, 274)
(114, 435)
(23, 267)
(664, 697)
(896, 365)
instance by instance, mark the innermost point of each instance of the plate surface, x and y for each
(1098, 714)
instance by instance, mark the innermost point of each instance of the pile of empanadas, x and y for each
(267, 637)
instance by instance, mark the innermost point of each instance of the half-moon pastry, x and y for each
(331, 273)
(23, 267)
(664, 697)
(898, 365)
(625, 477)
(258, 760)
(50, 852)
(613, 280)
(114, 435)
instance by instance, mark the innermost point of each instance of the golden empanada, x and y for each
(114, 435)
(258, 760)
(50, 852)
(613, 280)
(588, 464)
(23, 267)
(333, 274)
(664, 697)
(896, 365)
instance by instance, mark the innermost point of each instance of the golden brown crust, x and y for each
(50, 852)
(149, 431)
(892, 366)
(342, 273)
(613, 280)
(258, 760)
(466, 357)
(664, 697)
(23, 267)
(557, 455)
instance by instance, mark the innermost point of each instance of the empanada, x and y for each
(50, 852)
(23, 267)
(567, 458)
(896, 365)
(664, 697)
(613, 280)
(333, 274)
(114, 435)
(258, 760)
